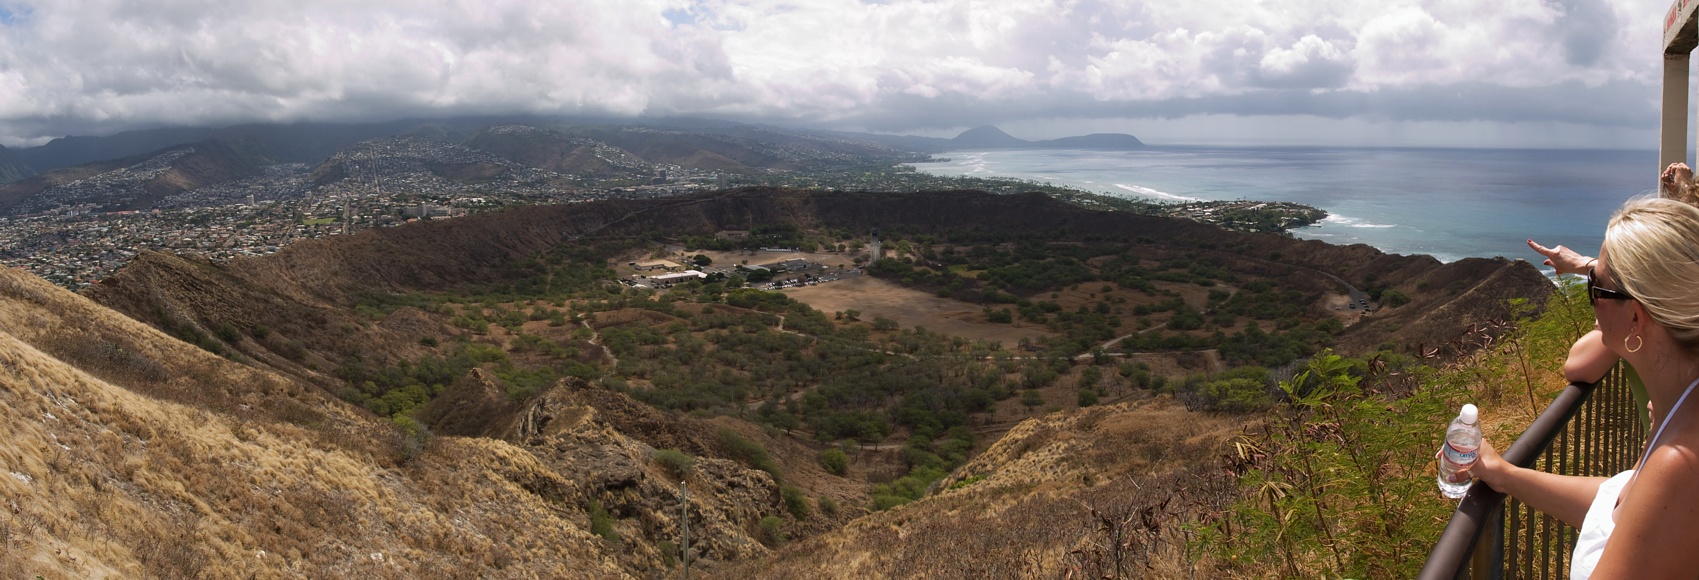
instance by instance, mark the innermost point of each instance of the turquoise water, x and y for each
(1447, 203)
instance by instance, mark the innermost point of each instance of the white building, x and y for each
(665, 280)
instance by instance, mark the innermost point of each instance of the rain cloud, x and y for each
(101, 66)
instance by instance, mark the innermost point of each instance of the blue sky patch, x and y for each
(10, 15)
(679, 17)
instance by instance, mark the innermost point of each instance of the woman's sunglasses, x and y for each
(1595, 293)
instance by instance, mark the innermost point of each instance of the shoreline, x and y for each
(1448, 203)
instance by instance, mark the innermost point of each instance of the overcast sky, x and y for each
(1562, 73)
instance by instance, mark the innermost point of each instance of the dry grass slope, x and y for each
(102, 481)
(1033, 505)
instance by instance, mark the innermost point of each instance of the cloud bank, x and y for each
(99, 66)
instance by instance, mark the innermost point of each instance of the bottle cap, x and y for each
(1469, 413)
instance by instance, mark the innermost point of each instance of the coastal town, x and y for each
(76, 233)
(71, 236)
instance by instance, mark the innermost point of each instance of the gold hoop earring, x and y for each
(1637, 346)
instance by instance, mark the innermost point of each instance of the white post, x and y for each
(684, 509)
(1672, 139)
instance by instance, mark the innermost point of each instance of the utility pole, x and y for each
(684, 509)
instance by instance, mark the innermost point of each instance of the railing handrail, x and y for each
(1457, 542)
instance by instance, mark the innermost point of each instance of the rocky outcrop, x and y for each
(618, 473)
(470, 407)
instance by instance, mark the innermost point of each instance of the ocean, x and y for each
(1447, 203)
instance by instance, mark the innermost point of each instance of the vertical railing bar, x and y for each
(1595, 465)
(1618, 430)
(1512, 532)
(1579, 434)
(1534, 524)
(1532, 542)
(1613, 442)
(1566, 459)
(1625, 402)
(1595, 440)
(1619, 409)
(1545, 545)
(1629, 419)
(1515, 542)
(1487, 563)
(1625, 429)
(1601, 457)
(1576, 460)
(1564, 449)
(1578, 443)
(1576, 467)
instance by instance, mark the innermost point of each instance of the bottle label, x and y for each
(1460, 457)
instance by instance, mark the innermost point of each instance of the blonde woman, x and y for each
(1589, 358)
(1642, 523)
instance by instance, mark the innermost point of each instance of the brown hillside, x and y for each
(1023, 508)
(130, 454)
(690, 150)
(200, 164)
(544, 149)
(14, 193)
(190, 296)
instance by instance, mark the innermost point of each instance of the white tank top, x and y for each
(1596, 529)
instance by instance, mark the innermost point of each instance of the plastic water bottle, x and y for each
(1462, 446)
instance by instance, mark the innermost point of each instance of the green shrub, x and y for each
(602, 522)
(1238, 395)
(795, 501)
(835, 461)
(1087, 397)
(749, 452)
(827, 505)
(678, 462)
(772, 531)
(906, 488)
(1032, 398)
(414, 436)
(669, 553)
(884, 502)
(1394, 298)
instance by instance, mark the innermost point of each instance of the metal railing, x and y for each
(1589, 429)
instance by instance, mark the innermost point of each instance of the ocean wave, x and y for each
(1148, 192)
(1351, 222)
(972, 163)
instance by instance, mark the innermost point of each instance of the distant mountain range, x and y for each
(139, 170)
(137, 181)
(989, 137)
(698, 143)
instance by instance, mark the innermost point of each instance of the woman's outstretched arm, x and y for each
(1563, 496)
(1562, 259)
